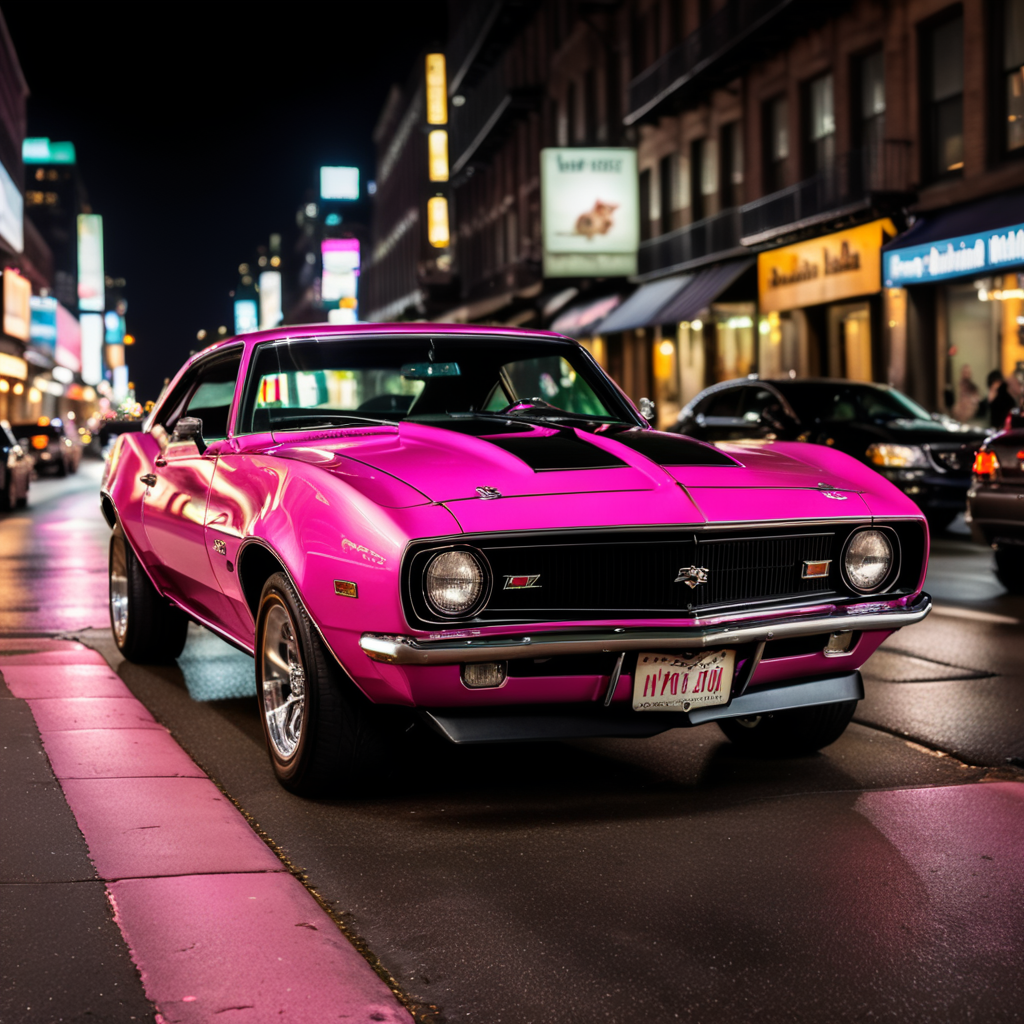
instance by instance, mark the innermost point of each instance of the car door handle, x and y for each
(149, 479)
(159, 461)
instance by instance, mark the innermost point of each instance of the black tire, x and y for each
(327, 738)
(790, 733)
(147, 628)
(1010, 568)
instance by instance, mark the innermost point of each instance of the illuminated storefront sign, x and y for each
(437, 154)
(437, 222)
(271, 313)
(591, 212)
(982, 254)
(92, 347)
(17, 305)
(12, 366)
(839, 266)
(339, 182)
(43, 326)
(247, 317)
(12, 212)
(69, 340)
(43, 151)
(90, 263)
(437, 88)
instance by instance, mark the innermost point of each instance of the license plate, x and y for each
(667, 682)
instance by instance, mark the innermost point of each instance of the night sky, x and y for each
(199, 128)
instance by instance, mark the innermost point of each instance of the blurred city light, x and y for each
(91, 280)
(437, 149)
(337, 183)
(271, 312)
(246, 316)
(437, 222)
(437, 89)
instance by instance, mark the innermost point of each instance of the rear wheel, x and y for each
(322, 735)
(147, 628)
(1010, 568)
(789, 733)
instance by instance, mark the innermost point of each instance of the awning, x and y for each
(644, 306)
(705, 287)
(585, 317)
(975, 239)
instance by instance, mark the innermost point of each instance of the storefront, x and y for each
(960, 273)
(821, 307)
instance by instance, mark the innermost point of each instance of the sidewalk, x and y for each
(130, 887)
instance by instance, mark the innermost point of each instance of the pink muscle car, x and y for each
(475, 528)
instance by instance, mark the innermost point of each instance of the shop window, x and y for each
(849, 340)
(666, 197)
(734, 339)
(869, 121)
(731, 190)
(943, 106)
(777, 143)
(1013, 73)
(821, 134)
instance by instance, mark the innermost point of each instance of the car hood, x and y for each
(640, 475)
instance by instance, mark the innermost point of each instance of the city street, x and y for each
(626, 880)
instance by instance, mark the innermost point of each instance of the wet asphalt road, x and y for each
(620, 880)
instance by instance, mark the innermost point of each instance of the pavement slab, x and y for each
(142, 827)
(117, 754)
(53, 713)
(250, 948)
(75, 680)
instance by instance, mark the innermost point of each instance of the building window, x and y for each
(1013, 72)
(571, 118)
(777, 143)
(645, 205)
(590, 107)
(944, 97)
(821, 134)
(869, 116)
(731, 188)
(666, 191)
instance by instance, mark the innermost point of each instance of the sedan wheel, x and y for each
(323, 735)
(790, 733)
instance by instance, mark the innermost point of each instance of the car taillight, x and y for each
(985, 464)
(40, 441)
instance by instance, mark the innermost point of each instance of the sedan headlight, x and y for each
(896, 456)
(868, 560)
(455, 583)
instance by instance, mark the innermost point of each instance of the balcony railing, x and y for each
(736, 23)
(846, 184)
(703, 240)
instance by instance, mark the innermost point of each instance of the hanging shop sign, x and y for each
(17, 305)
(838, 266)
(590, 200)
(982, 254)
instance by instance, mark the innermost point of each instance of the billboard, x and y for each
(340, 268)
(91, 347)
(17, 305)
(43, 151)
(42, 329)
(113, 328)
(590, 208)
(91, 292)
(271, 312)
(12, 212)
(339, 182)
(69, 340)
(247, 317)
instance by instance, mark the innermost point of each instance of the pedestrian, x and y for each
(968, 396)
(1000, 401)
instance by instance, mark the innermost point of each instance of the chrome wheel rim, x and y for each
(284, 681)
(119, 592)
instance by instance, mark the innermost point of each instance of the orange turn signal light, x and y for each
(985, 464)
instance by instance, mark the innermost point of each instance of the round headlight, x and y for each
(868, 559)
(454, 582)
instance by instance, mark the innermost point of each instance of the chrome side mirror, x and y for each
(189, 428)
(647, 409)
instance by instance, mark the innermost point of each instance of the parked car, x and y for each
(473, 528)
(15, 470)
(995, 502)
(927, 457)
(54, 445)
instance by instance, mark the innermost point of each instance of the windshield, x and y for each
(308, 383)
(837, 402)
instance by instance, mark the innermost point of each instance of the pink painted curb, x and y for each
(117, 754)
(52, 713)
(39, 681)
(136, 828)
(255, 945)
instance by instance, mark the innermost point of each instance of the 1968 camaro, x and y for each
(474, 527)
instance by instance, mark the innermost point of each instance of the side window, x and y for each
(760, 404)
(723, 404)
(215, 391)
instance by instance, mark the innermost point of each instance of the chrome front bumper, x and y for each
(407, 650)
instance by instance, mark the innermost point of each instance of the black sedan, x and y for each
(928, 458)
(995, 502)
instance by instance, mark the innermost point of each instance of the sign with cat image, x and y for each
(590, 206)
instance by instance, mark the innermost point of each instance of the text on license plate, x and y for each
(668, 682)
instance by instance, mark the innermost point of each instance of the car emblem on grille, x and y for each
(693, 576)
(834, 495)
(522, 582)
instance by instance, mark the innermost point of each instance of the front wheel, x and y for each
(147, 628)
(322, 735)
(790, 733)
(1010, 568)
